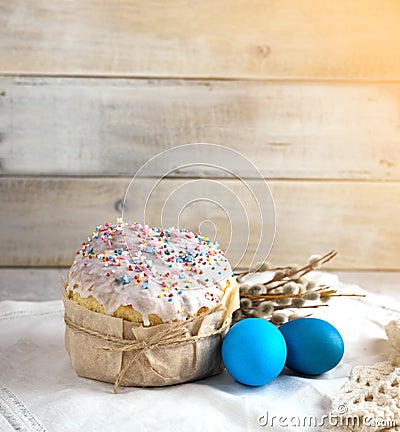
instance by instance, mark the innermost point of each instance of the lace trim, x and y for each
(15, 415)
(372, 394)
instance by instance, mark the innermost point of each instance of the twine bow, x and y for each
(172, 336)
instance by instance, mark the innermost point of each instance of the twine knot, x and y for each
(171, 336)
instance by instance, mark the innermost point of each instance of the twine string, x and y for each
(172, 336)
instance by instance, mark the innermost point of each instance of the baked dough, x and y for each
(148, 275)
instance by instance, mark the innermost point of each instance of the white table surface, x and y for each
(39, 390)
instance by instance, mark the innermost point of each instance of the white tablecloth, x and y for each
(40, 391)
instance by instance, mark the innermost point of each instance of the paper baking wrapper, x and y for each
(100, 358)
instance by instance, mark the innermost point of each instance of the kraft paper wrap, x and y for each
(118, 351)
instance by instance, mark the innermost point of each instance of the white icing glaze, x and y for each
(168, 272)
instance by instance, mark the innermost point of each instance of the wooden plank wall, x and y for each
(309, 91)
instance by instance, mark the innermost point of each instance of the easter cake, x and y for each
(130, 284)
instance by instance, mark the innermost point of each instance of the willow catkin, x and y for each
(278, 318)
(292, 269)
(279, 275)
(237, 315)
(278, 290)
(298, 302)
(246, 303)
(302, 289)
(310, 285)
(290, 288)
(255, 314)
(283, 301)
(256, 290)
(302, 281)
(243, 288)
(314, 261)
(325, 298)
(286, 290)
(266, 307)
(265, 266)
(311, 296)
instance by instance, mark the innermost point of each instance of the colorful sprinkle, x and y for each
(125, 280)
(183, 260)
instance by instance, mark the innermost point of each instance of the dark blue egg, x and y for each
(254, 351)
(313, 346)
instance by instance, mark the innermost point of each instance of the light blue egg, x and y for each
(313, 345)
(254, 351)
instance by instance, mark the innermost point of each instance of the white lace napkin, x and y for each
(40, 392)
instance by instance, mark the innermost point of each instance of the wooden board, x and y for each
(51, 126)
(209, 38)
(45, 219)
